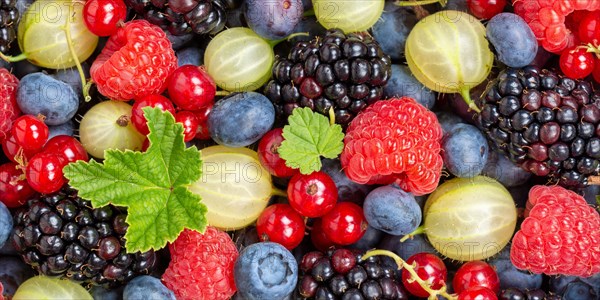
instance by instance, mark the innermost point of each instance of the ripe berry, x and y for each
(312, 195)
(30, 132)
(14, 188)
(44, 172)
(137, 114)
(191, 88)
(202, 115)
(343, 260)
(190, 124)
(477, 293)
(102, 16)
(68, 147)
(430, 268)
(9, 110)
(486, 9)
(589, 28)
(476, 273)
(577, 63)
(14, 152)
(318, 237)
(345, 224)
(269, 157)
(280, 223)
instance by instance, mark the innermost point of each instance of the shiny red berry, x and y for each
(14, 152)
(596, 72)
(30, 132)
(318, 237)
(345, 224)
(101, 17)
(269, 157)
(477, 293)
(202, 115)
(14, 189)
(343, 260)
(137, 114)
(475, 273)
(312, 195)
(44, 172)
(589, 28)
(430, 268)
(280, 223)
(577, 63)
(486, 9)
(68, 147)
(191, 88)
(190, 124)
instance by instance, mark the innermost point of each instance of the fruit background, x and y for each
(289, 149)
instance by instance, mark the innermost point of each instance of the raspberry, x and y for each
(549, 20)
(201, 265)
(9, 110)
(136, 62)
(560, 234)
(396, 140)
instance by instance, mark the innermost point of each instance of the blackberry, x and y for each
(343, 72)
(181, 17)
(9, 18)
(62, 235)
(340, 274)
(517, 294)
(544, 122)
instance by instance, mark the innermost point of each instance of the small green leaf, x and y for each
(308, 137)
(152, 185)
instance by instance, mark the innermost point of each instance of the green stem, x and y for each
(84, 87)
(420, 2)
(309, 13)
(277, 192)
(222, 93)
(20, 57)
(466, 94)
(274, 43)
(413, 274)
(331, 116)
(419, 230)
(86, 90)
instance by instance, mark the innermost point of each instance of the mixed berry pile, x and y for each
(300, 149)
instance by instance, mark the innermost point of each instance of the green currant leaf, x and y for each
(152, 185)
(309, 136)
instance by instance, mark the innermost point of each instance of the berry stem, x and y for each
(67, 29)
(331, 116)
(274, 43)
(222, 93)
(413, 274)
(309, 13)
(593, 180)
(419, 2)
(419, 230)
(465, 92)
(8, 58)
(277, 192)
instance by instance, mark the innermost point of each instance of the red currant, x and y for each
(191, 88)
(190, 124)
(102, 16)
(68, 147)
(268, 156)
(589, 28)
(137, 114)
(312, 195)
(12, 150)
(477, 293)
(280, 223)
(345, 224)
(486, 9)
(44, 172)
(576, 62)
(30, 132)
(318, 237)
(596, 72)
(202, 115)
(430, 268)
(14, 189)
(475, 273)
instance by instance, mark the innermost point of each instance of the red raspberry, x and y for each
(136, 62)
(201, 266)
(395, 140)
(560, 234)
(9, 110)
(551, 22)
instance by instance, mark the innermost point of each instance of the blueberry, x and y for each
(265, 271)
(392, 210)
(403, 83)
(393, 28)
(465, 151)
(369, 240)
(514, 41)
(241, 119)
(101, 293)
(272, 19)
(505, 171)
(6, 224)
(348, 190)
(62, 129)
(448, 120)
(571, 287)
(190, 56)
(408, 248)
(510, 276)
(147, 287)
(39, 93)
(13, 272)
(72, 78)
(308, 24)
